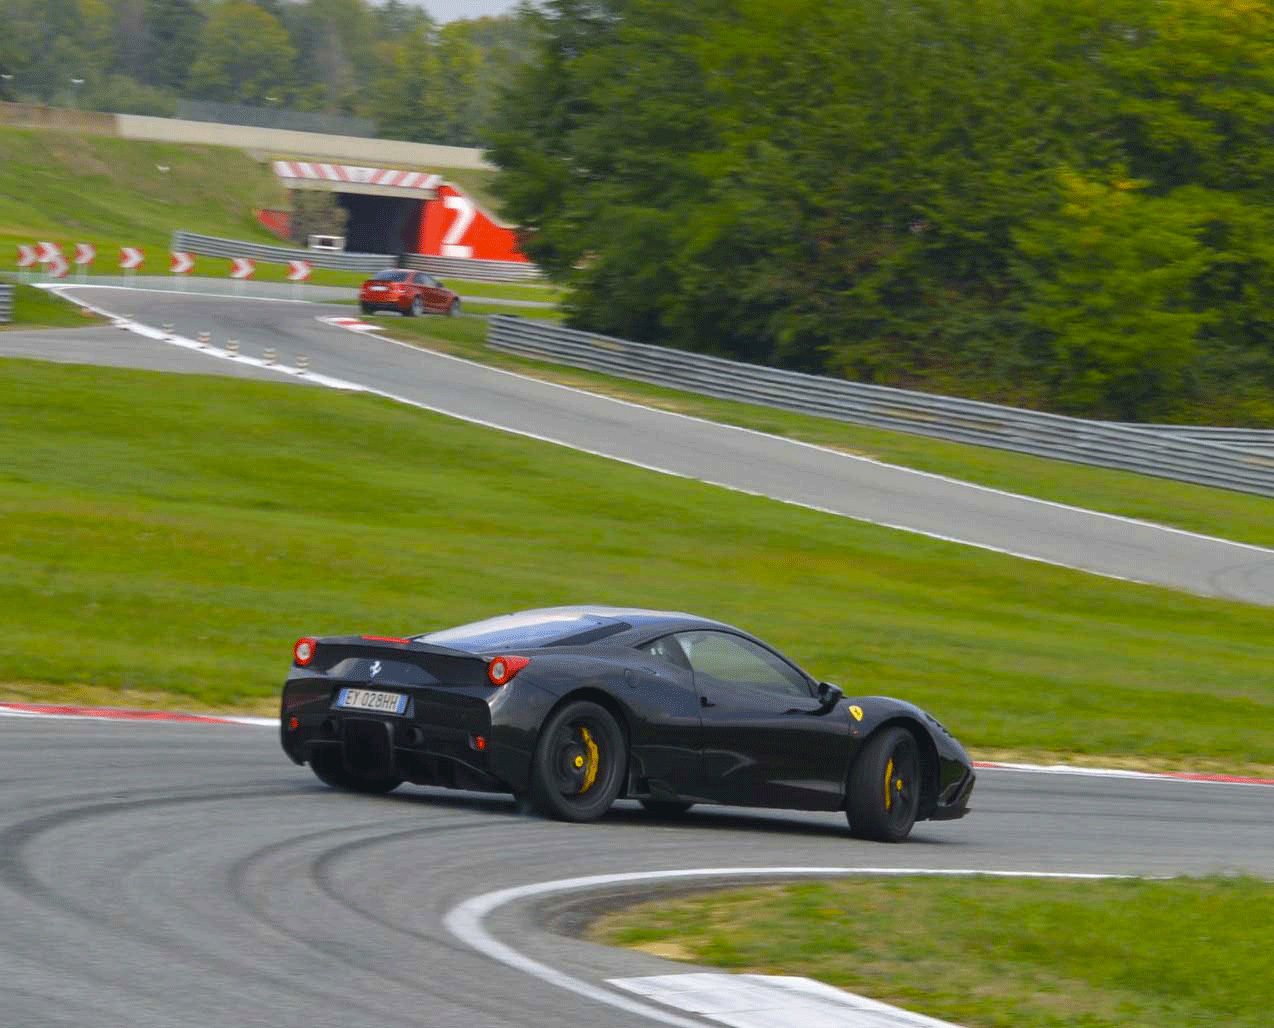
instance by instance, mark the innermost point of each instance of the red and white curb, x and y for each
(88, 713)
(77, 713)
(1098, 772)
(351, 324)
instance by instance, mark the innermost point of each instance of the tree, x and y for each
(244, 55)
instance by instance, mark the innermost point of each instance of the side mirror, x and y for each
(828, 696)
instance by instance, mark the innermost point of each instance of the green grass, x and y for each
(34, 308)
(1219, 512)
(175, 533)
(69, 188)
(990, 953)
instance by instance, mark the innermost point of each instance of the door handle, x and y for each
(705, 702)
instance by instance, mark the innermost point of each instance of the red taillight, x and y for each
(502, 669)
(304, 650)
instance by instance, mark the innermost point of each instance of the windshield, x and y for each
(390, 276)
(519, 631)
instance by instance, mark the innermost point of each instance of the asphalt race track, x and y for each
(167, 875)
(160, 875)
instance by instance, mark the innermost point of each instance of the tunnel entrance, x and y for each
(381, 224)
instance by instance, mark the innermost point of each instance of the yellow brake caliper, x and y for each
(889, 774)
(590, 771)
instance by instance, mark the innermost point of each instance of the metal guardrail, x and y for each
(6, 303)
(1251, 440)
(1102, 444)
(213, 246)
(446, 267)
(475, 270)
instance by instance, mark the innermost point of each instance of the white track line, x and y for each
(465, 921)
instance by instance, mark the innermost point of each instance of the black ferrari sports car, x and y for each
(574, 707)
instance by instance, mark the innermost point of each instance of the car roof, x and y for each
(640, 623)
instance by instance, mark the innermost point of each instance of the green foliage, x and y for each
(315, 212)
(898, 192)
(245, 55)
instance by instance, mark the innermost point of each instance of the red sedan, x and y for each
(411, 293)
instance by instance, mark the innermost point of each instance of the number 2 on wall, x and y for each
(465, 211)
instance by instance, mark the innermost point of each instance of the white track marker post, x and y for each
(179, 263)
(298, 272)
(241, 269)
(130, 259)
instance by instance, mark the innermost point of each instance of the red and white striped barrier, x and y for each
(423, 181)
(298, 271)
(242, 267)
(181, 263)
(130, 258)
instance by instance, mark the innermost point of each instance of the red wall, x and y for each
(454, 226)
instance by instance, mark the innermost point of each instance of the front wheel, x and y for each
(417, 308)
(884, 787)
(579, 763)
(453, 308)
(329, 767)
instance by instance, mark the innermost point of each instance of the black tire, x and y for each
(329, 767)
(580, 763)
(884, 787)
(366, 308)
(453, 309)
(417, 307)
(666, 808)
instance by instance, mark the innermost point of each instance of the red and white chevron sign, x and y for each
(241, 267)
(182, 263)
(27, 255)
(56, 266)
(47, 251)
(84, 253)
(130, 257)
(298, 271)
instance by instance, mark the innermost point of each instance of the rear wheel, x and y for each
(366, 308)
(666, 808)
(329, 766)
(417, 307)
(579, 763)
(884, 787)
(453, 308)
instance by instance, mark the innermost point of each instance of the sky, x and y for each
(450, 10)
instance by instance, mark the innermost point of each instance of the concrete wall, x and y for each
(389, 153)
(350, 149)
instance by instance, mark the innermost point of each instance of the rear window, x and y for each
(518, 631)
(390, 276)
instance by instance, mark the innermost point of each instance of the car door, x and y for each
(765, 742)
(431, 289)
(666, 734)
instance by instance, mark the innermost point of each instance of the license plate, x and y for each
(372, 699)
